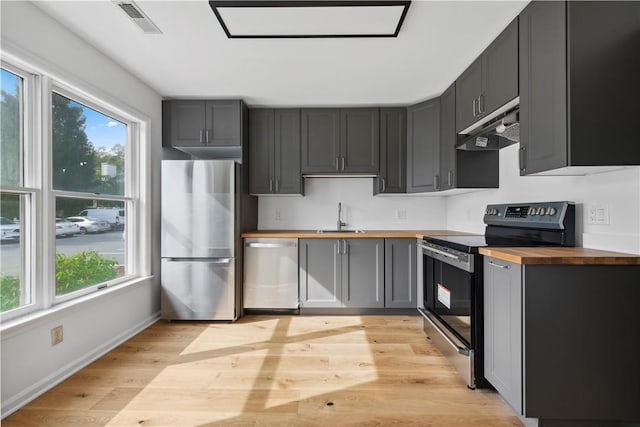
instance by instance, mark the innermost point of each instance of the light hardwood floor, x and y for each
(270, 371)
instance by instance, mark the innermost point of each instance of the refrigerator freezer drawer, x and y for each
(201, 289)
(271, 273)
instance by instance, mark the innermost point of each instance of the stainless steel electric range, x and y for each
(451, 292)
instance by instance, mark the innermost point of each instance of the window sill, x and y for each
(32, 320)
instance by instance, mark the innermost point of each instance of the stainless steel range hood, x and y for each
(498, 130)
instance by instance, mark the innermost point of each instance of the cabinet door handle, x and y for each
(384, 185)
(498, 265)
(522, 158)
(342, 163)
(337, 168)
(450, 178)
(206, 134)
(277, 186)
(481, 104)
(475, 114)
(436, 182)
(270, 185)
(201, 137)
(338, 243)
(344, 250)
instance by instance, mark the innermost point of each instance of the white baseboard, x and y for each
(30, 393)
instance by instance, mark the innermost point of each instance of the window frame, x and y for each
(39, 237)
(27, 187)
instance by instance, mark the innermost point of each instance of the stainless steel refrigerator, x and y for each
(198, 241)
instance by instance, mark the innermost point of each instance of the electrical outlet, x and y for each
(56, 335)
(598, 214)
(401, 214)
(277, 215)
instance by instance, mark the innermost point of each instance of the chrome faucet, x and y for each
(340, 223)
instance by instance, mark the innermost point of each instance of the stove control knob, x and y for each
(551, 210)
(541, 211)
(531, 211)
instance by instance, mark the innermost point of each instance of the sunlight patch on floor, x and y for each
(252, 366)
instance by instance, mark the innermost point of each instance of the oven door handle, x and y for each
(460, 349)
(443, 253)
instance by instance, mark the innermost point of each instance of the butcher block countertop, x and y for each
(368, 234)
(566, 256)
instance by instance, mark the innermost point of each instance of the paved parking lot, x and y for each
(110, 244)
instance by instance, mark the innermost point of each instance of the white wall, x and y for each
(619, 190)
(29, 364)
(361, 210)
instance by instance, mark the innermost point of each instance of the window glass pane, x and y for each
(88, 149)
(90, 243)
(10, 129)
(14, 292)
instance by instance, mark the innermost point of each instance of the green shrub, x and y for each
(83, 269)
(73, 272)
(9, 292)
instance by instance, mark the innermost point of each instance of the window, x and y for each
(89, 178)
(70, 193)
(15, 198)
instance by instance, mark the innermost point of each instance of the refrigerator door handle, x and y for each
(205, 260)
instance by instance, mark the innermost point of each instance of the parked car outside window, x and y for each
(66, 228)
(9, 230)
(89, 224)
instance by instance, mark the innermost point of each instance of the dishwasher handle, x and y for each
(270, 245)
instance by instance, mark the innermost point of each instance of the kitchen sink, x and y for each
(341, 231)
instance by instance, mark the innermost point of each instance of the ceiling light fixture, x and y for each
(310, 19)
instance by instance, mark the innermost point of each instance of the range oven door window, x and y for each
(448, 294)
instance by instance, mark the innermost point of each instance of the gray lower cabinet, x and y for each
(423, 147)
(340, 141)
(202, 123)
(342, 273)
(400, 273)
(561, 341)
(503, 329)
(565, 47)
(274, 151)
(393, 152)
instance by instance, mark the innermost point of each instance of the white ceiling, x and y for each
(193, 58)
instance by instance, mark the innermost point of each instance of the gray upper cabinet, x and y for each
(503, 329)
(448, 138)
(202, 123)
(341, 273)
(565, 119)
(320, 140)
(400, 273)
(393, 152)
(340, 140)
(469, 86)
(490, 81)
(423, 147)
(359, 140)
(274, 151)
(261, 151)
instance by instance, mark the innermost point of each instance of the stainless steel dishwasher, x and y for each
(271, 274)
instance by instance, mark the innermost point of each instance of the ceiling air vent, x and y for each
(136, 14)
